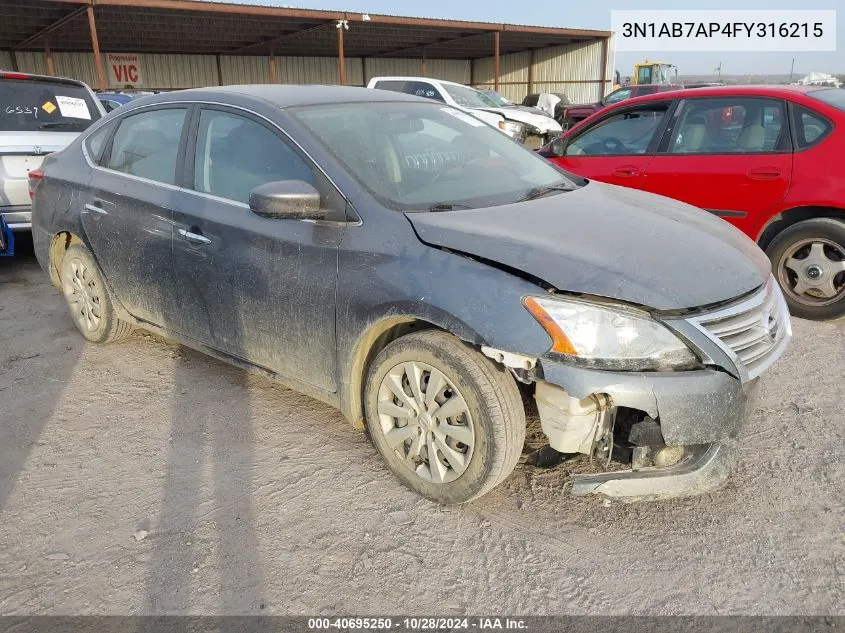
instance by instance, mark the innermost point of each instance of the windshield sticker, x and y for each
(466, 118)
(73, 108)
(48, 107)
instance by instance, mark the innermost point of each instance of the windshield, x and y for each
(831, 96)
(467, 97)
(497, 98)
(28, 105)
(413, 156)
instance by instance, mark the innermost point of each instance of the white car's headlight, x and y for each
(513, 129)
(608, 337)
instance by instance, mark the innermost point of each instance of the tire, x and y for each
(812, 244)
(492, 423)
(87, 298)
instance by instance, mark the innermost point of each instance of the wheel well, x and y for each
(787, 218)
(376, 339)
(59, 245)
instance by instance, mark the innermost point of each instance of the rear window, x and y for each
(410, 87)
(31, 105)
(831, 96)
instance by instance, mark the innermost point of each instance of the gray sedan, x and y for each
(423, 273)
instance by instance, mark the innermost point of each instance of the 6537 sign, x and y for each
(124, 70)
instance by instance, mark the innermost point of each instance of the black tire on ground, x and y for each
(827, 229)
(80, 272)
(493, 401)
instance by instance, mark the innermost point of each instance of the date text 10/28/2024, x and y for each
(417, 624)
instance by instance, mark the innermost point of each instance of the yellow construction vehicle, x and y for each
(650, 73)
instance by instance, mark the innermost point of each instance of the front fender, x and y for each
(385, 282)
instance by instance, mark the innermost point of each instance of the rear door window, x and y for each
(410, 87)
(28, 105)
(147, 144)
(730, 125)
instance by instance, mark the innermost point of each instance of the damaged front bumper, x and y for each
(697, 415)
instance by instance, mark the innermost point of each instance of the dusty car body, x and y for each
(415, 289)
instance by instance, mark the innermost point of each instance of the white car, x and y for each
(533, 129)
(38, 115)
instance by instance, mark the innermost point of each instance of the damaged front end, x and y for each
(674, 424)
(599, 426)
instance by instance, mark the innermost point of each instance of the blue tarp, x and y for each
(7, 240)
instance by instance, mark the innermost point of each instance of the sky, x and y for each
(595, 14)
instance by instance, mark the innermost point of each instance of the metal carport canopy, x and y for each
(194, 27)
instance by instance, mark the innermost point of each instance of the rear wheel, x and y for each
(449, 422)
(808, 260)
(87, 298)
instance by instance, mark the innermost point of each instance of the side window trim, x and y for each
(189, 160)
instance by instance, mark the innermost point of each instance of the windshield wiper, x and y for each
(448, 206)
(539, 192)
(47, 126)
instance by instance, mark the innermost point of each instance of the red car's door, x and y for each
(729, 155)
(616, 148)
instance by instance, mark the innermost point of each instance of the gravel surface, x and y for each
(143, 477)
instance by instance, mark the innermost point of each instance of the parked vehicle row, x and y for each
(766, 159)
(525, 125)
(38, 115)
(414, 267)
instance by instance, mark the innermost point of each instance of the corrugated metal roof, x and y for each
(194, 27)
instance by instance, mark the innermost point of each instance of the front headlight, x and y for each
(609, 338)
(513, 129)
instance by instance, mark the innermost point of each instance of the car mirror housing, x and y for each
(558, 147)
(286, 199)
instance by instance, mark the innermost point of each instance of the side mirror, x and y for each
(286, 199)
(558, 146)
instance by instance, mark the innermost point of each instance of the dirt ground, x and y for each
(143, 477)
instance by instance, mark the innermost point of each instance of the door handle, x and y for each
(194, 238)
(96, 208)
(765, 173)
(626, 171)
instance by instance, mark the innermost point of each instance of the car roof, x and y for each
(15, 75)
(286, 95)
(725, 91)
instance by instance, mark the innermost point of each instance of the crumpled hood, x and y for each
(609, 241)
(541, 121)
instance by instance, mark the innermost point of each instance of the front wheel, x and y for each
(808, 260)
(449, 422)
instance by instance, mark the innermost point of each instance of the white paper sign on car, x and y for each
(463, 116)
(73, 108)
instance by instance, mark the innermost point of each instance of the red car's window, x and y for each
(810, 128)
(625, 134)
(730, 125)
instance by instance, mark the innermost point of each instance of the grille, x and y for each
(753, 332)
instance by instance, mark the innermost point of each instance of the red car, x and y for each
(768, 159)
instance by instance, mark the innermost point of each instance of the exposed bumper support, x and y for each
(707, 468)
(699, 412)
